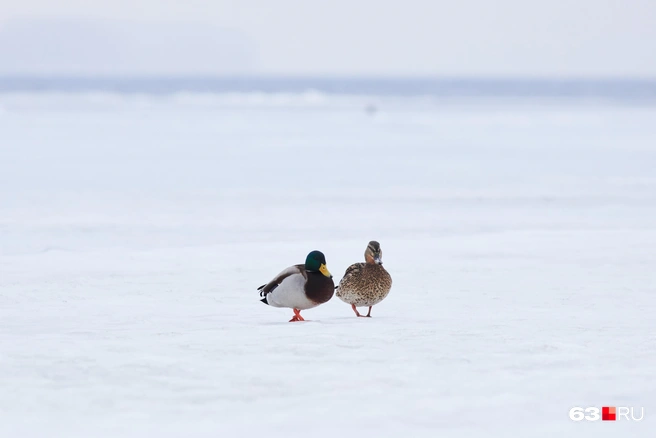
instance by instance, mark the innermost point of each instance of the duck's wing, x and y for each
(352, 271)
(270, 286)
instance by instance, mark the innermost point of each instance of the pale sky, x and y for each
(555, 38)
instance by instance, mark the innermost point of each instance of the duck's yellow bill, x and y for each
(325, 271)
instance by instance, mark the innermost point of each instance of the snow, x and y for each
(134, 232)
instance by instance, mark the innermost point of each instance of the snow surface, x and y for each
(135, 230)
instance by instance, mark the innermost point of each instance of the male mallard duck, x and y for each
(300, 286)
(365, 284)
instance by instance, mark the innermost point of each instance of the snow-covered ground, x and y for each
(134, 231)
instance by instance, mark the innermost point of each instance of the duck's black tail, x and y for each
(263, 294)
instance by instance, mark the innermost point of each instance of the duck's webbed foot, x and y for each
(356, 311)
(297, 316)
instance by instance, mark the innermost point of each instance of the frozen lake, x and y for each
(135, 229)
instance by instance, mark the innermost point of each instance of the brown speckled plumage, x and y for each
(365, 284)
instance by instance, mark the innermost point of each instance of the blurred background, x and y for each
(142, 100)
(507, 38)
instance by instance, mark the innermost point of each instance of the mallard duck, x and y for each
(300, 287)
(365, 284)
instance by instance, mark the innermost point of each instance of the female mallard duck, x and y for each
(365, 284)
(300, 287)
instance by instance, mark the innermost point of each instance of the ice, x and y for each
(134, 231)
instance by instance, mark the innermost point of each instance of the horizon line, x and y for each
(335, 77)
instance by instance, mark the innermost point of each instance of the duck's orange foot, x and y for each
(368, 315)
(297, 316)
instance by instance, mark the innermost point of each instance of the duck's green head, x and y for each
(316, 262)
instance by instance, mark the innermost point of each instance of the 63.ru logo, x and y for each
(608, 413)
